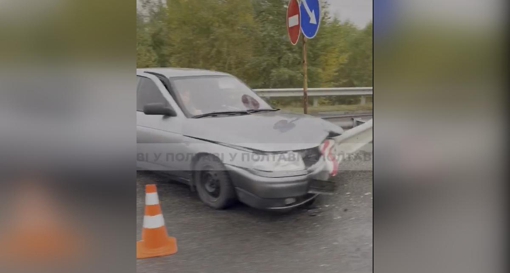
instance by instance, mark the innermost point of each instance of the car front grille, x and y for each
(310, 156)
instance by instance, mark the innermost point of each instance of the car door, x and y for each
(159, 137)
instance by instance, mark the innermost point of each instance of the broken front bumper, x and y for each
(279, 190)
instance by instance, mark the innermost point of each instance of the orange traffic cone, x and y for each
(155, 240)
(39, 235)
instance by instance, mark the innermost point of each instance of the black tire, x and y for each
(213, 183)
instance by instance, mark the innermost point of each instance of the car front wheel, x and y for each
(213, 183)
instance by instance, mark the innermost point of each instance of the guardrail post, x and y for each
(316, 92)
(315, 102)
(363, 100)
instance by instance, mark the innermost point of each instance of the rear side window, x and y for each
(148, 92)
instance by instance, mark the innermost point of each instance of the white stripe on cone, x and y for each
(153, 221)
(151, 199)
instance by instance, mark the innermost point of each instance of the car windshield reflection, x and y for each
(205, 95)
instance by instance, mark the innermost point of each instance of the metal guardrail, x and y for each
(349, 120)
(354, 139)
(345, 121)
(357, 121)
(315, 92)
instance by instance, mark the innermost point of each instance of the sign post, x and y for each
(310, 11)
(303, 16)
(305, 82)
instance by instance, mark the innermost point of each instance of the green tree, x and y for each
(211, 34)
(276, 63)
(358, 71)
(249, 40)
(145, 55)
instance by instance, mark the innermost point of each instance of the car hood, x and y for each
(265, 131)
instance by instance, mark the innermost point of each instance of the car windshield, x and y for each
(204, 95)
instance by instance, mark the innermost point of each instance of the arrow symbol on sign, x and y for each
(311, 13)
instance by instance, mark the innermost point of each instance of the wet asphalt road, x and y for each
(333, 236)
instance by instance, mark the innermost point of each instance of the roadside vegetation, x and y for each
(249, 40)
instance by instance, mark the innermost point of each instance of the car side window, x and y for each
(147, 92)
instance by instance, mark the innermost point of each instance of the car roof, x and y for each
(181, 72)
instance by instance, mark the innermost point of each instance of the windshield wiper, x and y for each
(235, 112)
(221, 113)
(262, 110)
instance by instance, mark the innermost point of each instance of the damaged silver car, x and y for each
(209, 130)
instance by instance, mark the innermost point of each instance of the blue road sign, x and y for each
(310, 17)
(384, 19)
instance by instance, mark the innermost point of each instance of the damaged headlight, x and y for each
(290, 161)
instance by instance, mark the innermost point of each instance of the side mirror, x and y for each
(159, 109)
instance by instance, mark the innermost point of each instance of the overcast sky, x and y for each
(358, 12)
